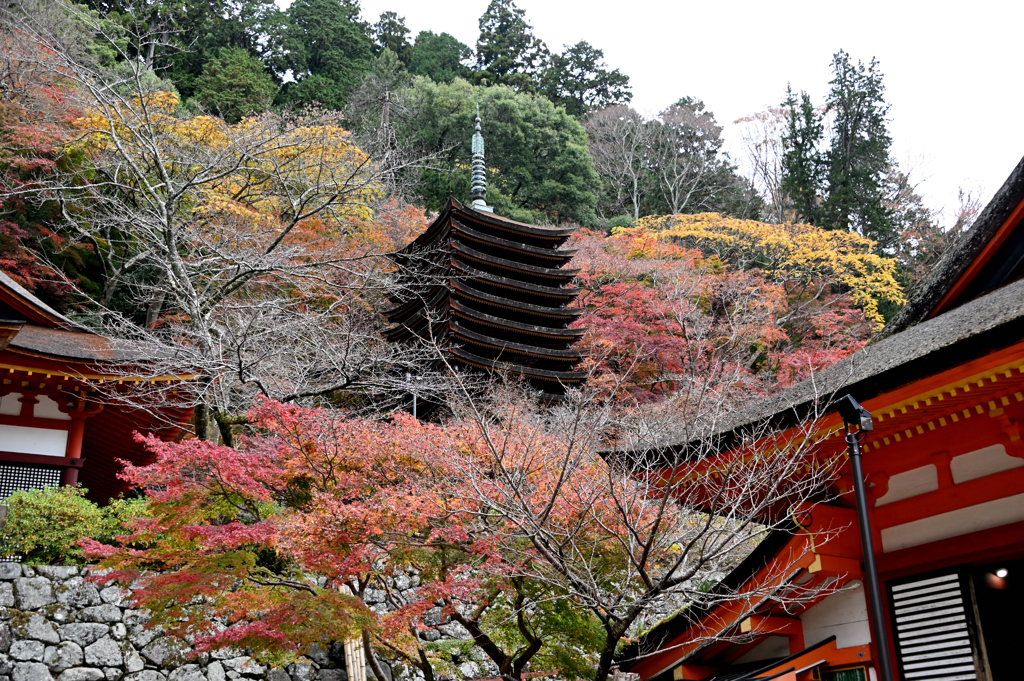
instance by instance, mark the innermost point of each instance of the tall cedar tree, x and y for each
(234, 84)
(507, 52)
(329, 50)
(391, 33)
(579, 80)
(256, 26)
(802, 165)
(440, 57)
(858, 158)
(168, 25)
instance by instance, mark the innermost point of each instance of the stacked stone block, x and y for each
(57, 626)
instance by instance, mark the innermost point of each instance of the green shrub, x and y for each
(43, 526)
(618, 221)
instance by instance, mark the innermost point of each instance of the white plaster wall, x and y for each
(844, 614)
(978, 464)
(45, 441)
(954, 523)
(771, 647)
(45, 408)
(9, 404)
(49, 409)
(910, 484)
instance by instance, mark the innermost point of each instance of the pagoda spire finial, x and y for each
(478, 181)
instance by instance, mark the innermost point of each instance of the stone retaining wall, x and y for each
(55, 625)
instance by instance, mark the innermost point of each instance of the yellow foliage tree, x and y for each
(807, 260)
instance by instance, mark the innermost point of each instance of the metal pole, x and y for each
(868, 545)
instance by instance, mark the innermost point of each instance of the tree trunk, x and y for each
(371, 659)
(153, 311)
(201, 420)
(605, 661)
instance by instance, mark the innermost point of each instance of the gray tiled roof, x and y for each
(988, 323)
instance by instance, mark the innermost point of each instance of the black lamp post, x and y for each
(855, 415)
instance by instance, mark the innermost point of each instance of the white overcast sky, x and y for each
(953, 71)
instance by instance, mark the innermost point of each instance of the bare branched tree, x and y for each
(761, 135)
(243, 249)
(672, 162)
(618, 139)
(624, 509)
(684, 145)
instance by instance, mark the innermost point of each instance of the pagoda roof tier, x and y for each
(497, 365)
(526, 250)
(412, 325)
(472, 293)
(489, 223)
(472, 273)
(469, 336)
(548, 234)
(522, 316)
(433, 298)
(562, 276)
(520, 359)
(529, 329)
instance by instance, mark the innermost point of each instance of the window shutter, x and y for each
(932, 622)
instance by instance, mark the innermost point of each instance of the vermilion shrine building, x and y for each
(54, 429)
(945, 472)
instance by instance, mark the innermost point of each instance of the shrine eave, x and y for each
(34, 311)
(969, 332)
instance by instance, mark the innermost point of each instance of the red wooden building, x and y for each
(55, 425)
(944, 467)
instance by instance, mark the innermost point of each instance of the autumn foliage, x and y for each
(755, 304)
(245, 528)
(271, 545)
(35, 116)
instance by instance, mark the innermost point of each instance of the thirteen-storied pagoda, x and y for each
(492, 291)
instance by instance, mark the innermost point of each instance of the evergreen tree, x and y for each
(391, 33)
(441, 58)
(507, 52)
(538, 166)
(234, 84)
(802, 164)
(579, 80)
(329, 50)
(858, 158)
